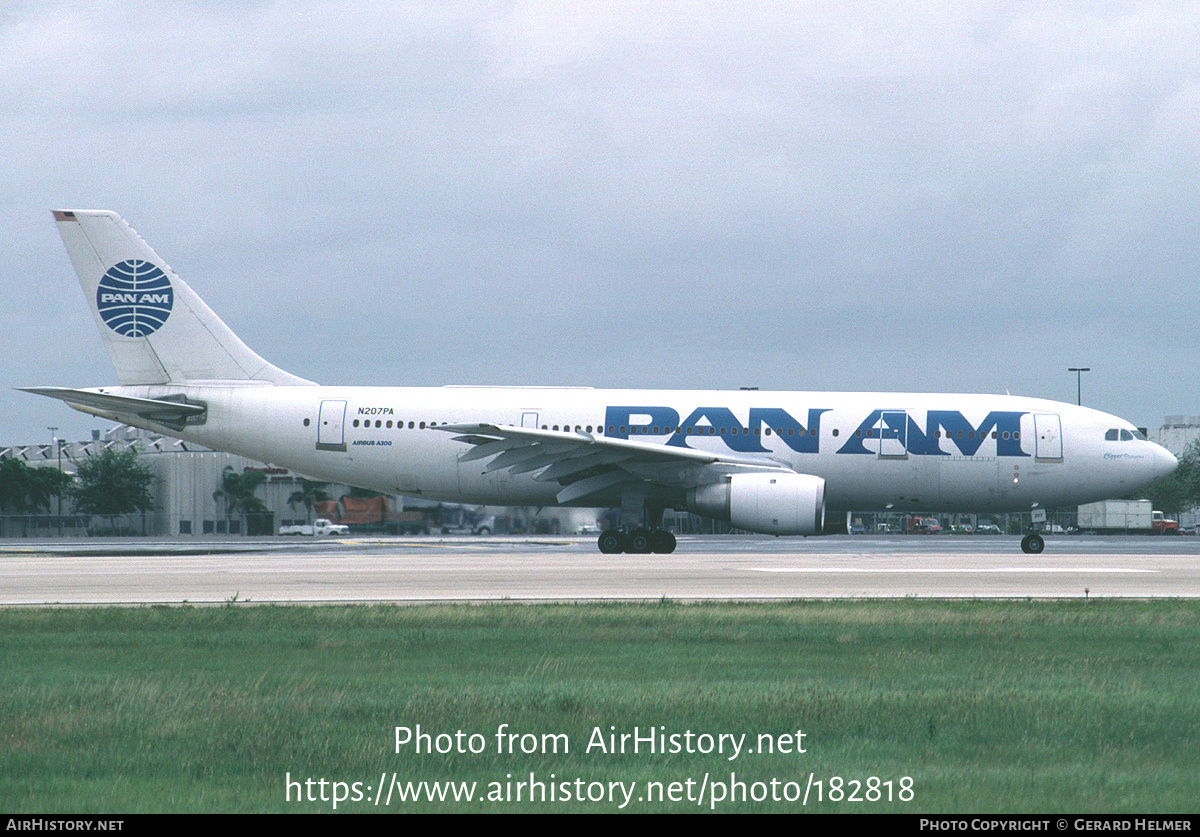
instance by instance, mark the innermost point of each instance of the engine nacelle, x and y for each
(774, 504)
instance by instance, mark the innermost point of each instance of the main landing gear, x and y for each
(1033, 543)
(640, 529)
(639, 540)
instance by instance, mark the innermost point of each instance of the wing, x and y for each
(588, 466)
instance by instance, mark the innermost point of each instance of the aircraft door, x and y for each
(1047, 430)
(892, 431)
(331, 426)
(529, 419)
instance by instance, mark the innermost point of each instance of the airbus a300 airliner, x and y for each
(770, 462)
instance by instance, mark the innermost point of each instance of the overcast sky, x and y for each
(959, 196)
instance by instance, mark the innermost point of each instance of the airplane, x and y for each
(781, 463)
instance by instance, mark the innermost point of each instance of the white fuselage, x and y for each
(905, 451)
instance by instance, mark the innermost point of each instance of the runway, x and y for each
(308, 571)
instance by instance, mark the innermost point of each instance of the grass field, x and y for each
(971, 707)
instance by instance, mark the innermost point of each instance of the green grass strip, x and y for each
(985, 707)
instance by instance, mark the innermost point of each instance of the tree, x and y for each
(25, 490)
(310, 492)
(238, 492)
(1179, 491)
(112, 484)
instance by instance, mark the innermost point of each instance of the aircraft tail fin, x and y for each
(156, 329)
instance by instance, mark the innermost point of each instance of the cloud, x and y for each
(620, 193)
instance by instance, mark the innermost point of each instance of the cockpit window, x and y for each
(1116, 434)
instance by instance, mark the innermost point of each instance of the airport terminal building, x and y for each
(186, 488)
(189, 499)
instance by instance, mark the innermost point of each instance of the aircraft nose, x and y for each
(1164, 462)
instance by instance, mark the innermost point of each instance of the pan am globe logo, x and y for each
(135, 298)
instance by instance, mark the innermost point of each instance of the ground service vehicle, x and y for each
(320, 526)
(1109, 517)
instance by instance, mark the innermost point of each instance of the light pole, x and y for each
(61, 442)
(1079, 370)
(56, 443)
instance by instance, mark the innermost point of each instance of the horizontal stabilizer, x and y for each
(163, 411)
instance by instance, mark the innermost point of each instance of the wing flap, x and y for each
(567, 467)
(590, 485)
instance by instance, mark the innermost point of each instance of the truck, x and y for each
(374, 515)
(1163, 525)
(320, 526)
(1109, 517)
(458, 520)
(922, 526)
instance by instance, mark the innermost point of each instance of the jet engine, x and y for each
(772, 503)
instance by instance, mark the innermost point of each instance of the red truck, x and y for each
(922, 526)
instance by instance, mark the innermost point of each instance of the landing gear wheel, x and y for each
(662, 541)
(639, 540)
(612, 541)
(1032, 543)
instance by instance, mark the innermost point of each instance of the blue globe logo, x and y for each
(135, 298)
